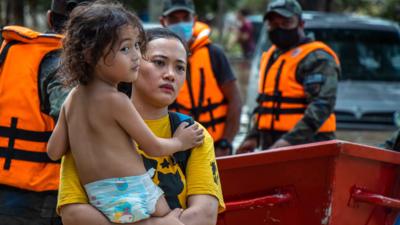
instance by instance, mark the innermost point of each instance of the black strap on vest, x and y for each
(27, 135)
(181, 158)
(276, 98)
(270, 98)
(10, 153)
(11, 140)
(3, 53)
(271, 61)
(201, 94)
(272, 110)
(213, 121)
(277, 94)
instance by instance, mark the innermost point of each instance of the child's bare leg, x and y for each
(162, 207)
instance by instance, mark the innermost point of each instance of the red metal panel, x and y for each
(310, 184)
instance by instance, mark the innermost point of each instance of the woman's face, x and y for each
(162, 72)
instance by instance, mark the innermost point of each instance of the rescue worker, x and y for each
(297, 85)
(210, 93)
(29, 107)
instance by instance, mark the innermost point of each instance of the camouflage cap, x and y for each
(176, 5)
(285, 8)
(64, 7)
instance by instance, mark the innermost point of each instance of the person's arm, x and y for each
(231, 92)
(52, 90)
(202, 210)
(228, 85)
(130, 120)
(393, 142)
(58, 143)
(83, 214)
(205, 199)
(319, 74)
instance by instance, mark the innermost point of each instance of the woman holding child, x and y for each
(195, 187)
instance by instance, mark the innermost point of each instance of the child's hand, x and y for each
(189, 136)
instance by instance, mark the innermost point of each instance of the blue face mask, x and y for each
(184, 30)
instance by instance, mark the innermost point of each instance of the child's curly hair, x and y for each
(90, 30)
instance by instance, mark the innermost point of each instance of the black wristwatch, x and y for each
(224, 143)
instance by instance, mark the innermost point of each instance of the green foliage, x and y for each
(389, 9)
(383, 8)
(392, 10)
(203, 7)
(137, 5)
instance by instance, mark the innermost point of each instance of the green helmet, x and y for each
(285, 8)
(171, 6)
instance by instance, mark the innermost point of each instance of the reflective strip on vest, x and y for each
(282, 100)
(24, 129)
(201, 96)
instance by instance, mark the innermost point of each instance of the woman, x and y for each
(196, 189)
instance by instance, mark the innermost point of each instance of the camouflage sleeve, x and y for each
(393, 142)
(318, 73)
(52, 90)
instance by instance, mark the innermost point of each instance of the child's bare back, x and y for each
(101, 148)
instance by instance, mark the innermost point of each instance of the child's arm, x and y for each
(58, 143)
(130, 120)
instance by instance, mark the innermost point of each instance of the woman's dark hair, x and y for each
(157, 33)
(89, 31)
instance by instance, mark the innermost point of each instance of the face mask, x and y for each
(184, 30)
(284, 38)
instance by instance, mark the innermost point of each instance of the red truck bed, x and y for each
(326, 183)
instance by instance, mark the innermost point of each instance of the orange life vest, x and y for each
(24, 129)
(281, 99)
(200, 95)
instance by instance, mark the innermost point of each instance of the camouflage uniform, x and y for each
(318, 72)
(52, 90)
(393, 143)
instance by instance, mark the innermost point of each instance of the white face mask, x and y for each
(184, 30)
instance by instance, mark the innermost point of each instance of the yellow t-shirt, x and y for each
(201, 173)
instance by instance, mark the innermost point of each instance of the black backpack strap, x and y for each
(175, 119)
(3, 53)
